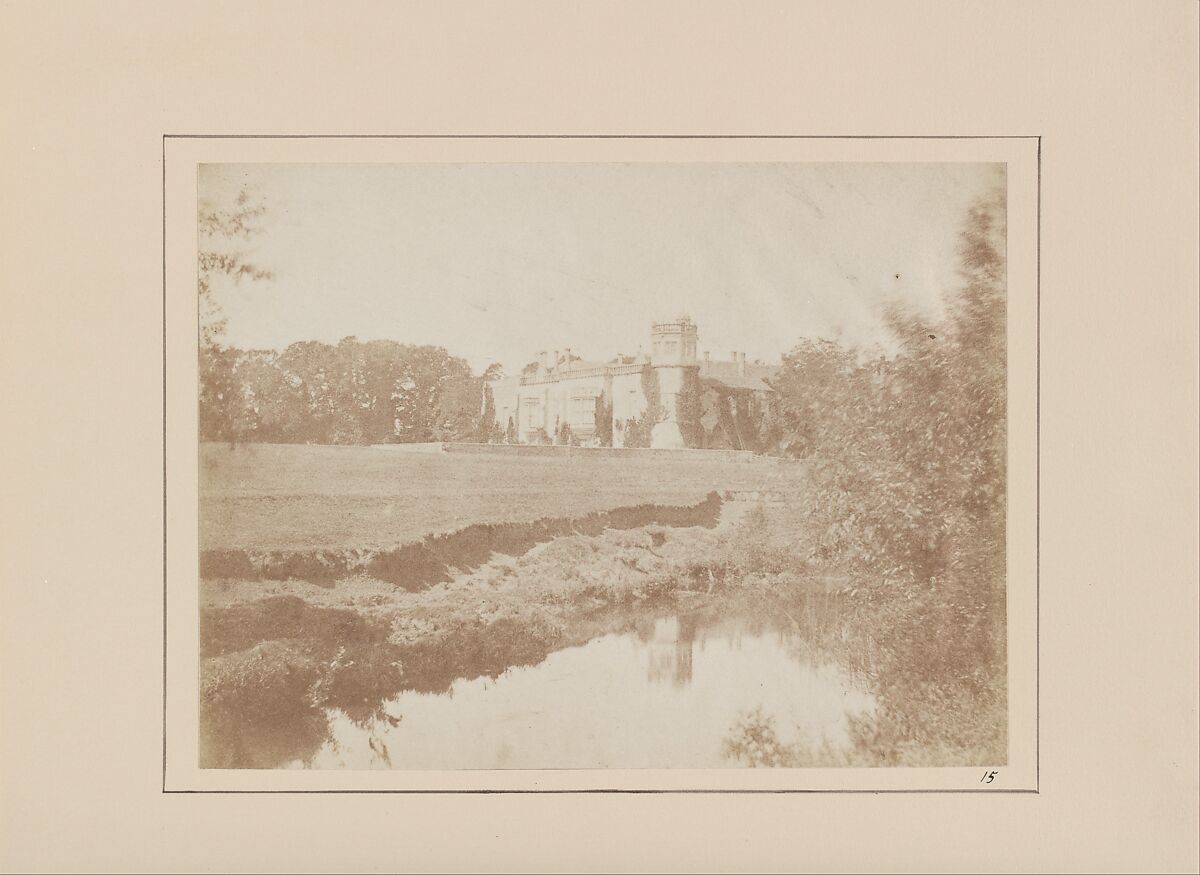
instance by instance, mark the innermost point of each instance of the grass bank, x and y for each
(437, 558)
(266, 497)
(277, 653)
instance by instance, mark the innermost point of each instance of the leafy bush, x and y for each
(907, 454)
(906, 498)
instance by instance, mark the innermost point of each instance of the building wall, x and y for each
(628, 399)
(546, 401)
(563, 389)
(504, 400)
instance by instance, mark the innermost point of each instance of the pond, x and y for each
(668, 696)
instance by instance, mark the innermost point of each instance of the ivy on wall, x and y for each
(637, 429)
(729, 418)
(604, 421)
(689, 408)
(711, 416)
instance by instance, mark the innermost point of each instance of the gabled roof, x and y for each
(727, 374)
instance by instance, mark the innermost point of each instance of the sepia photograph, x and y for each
(626, 437)
(602, 465)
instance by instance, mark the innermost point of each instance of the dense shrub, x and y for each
(907, 465)
(906, 500)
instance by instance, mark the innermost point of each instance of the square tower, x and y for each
(673, 356)
(674, 342)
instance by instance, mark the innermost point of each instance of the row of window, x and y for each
(581, 411)
(668, 348)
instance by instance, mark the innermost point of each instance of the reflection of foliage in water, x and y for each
(268, 701)
(254, 708)
(754, 742)
(269, 671)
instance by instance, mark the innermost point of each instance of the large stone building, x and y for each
(560, 397)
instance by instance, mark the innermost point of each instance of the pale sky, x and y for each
(497, 261)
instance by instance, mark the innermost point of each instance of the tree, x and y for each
(352, 393)
(271, 398)
(225, 411)
(819, 396)
(220, 394)
(564, 436)
(637, 430)
(907, 453)
(220, 230)
(489, 429)
(905, 498)
(603, 421)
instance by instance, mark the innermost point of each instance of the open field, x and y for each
(297, 497)
(342, 579)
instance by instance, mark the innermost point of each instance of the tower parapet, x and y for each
(674, 342)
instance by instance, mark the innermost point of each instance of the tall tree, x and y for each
(220, 403)
(223, 232)
(907, 453)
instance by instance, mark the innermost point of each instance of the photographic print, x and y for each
(602, 465)
(600, 437)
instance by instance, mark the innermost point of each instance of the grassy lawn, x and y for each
(296, 497)
(277, 652)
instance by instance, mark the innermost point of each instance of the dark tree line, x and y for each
(353, 393)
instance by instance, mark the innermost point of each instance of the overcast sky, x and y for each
(497, 261)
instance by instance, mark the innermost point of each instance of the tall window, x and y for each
(583, 410)
(533, 413)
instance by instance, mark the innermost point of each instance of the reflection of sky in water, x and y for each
(615, 702)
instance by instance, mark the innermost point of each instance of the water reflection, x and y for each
(662, 696)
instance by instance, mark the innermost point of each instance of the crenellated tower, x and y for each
(673, 358)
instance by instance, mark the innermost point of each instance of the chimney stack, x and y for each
(554, 360)
(707, 357)
(741, 362)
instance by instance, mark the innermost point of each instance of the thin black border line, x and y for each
(602, 137)
(164, 457)
(1037, 488)
(1037, 467)
(608, 792)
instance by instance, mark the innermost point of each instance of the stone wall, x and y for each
(594, 452)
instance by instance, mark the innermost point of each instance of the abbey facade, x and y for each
(669, 398)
